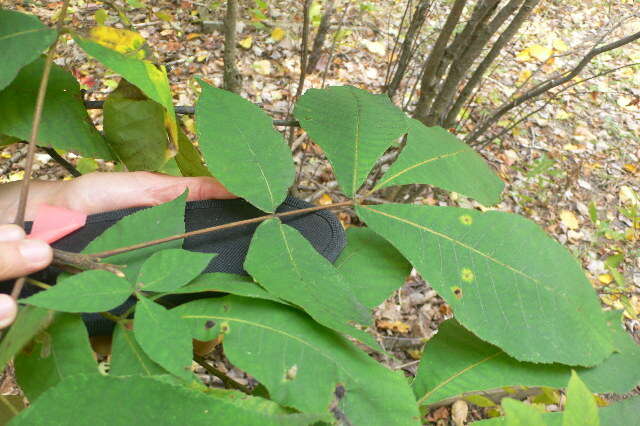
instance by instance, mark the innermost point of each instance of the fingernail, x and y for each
(11, 233)
(8, 310)
(35, 251)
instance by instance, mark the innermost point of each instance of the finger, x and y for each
(8, 310)
(19, 257)
(99, 192)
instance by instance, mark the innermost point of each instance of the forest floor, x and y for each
(573, 167)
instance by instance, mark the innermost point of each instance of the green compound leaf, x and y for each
(65, 123)
(145, 225)
(505, 279)
(188, 159)
(288, 266)
(59, 352)
(164, 337)
(170, 269)
(581, 408)
(29, 322)
(123, 401)
(22, 39)
(240, 285)
(353, 127)
(301, 362)
(90, 291)
(134, 128)
(127, 357)
(152, 81)
(242, 149)
(436, 157)
(373, 267)
(455, 363)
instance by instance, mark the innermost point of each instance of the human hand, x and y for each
(18, 257)
(99, 192)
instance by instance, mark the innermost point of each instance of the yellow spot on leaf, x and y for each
(465, 219)
(467, 275)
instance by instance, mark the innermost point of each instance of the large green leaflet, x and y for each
(127, 357)
(288, 266)
(65, 123)
(22, 39)
(125, 401)
(520, 414)
(581, 408)
(90, 291)
(436, 157)
(142, 73)
(134, 128)
(29, 322)
(301, 362)
(505, 279)
(353, 127)
(145, 225)
(456, 362)
(373, 267)
(240, 285)
(164, 337)
(59, 352)
(170, 269)
(188, 158)
(242, 149)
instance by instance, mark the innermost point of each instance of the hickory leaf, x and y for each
(22, 39)
(90, 291)
(353, 127)
(242, 149)
(127, 357)
(239, 285)
(164, 337)
(504, 278)
(29, 322)
(59, 352)
(170, 269)
(436, 157)
(373, 267)
(456, 362)
(300, 362)
(65, 123)
(287, 266)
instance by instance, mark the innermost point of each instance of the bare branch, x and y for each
(232, 78)
(321, 35)
(506, 107)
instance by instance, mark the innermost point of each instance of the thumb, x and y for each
(19, 256)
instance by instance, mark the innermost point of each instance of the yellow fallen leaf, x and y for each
(278, 34)
(569, 219)
(325, 200)
(628, 196)
(562, 115)
(397, 326)
(246, 42)
(539, 52)
(5, 155)
(164, 16)
(605, 278)
(193, 35)
(631, 168)
(19, 175)
(523, 55)
(375, 47)
(560, 45)
(262, 67)
(523, 76)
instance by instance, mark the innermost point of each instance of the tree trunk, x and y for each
(232, 79)
(453, 55)
(427, 85)
(407, 50)
(500, 43)
(321, 35)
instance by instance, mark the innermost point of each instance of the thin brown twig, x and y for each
(109, 253)
(37, 116)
